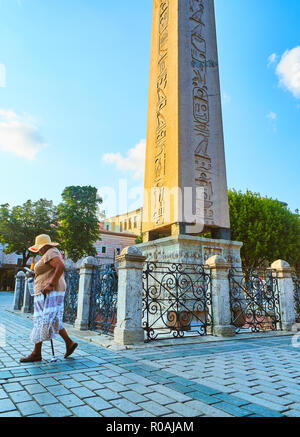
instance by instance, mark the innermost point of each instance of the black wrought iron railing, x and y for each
(104, 297)
(296, 282)
(177, 300)
(254, 300)
(71, 295)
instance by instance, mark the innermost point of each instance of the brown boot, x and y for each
(31, 358)
(71, 349)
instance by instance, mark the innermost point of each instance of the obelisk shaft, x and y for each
(185, 145)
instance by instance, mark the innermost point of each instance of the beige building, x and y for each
(130, 222)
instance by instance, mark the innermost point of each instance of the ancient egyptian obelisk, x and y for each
(185, 144)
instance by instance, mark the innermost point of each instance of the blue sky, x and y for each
(74, 86)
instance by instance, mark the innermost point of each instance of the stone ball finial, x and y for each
(89, 261)
(216, 260)
(132, 250)
(280, 264)
(20, 274)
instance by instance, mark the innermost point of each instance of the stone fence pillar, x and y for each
(20, 278)
(220, 297)
(26, 306)
(130, 297)
(84, 293)
(286, 293)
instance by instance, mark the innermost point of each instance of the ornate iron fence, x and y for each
(254, 300)
(296, 282)
(71, 295)
(177, 300)
(104, 297)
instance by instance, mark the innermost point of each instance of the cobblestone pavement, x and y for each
(252, 377)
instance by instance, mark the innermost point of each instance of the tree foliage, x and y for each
(268, 229)
(78, 221)
(20, 225)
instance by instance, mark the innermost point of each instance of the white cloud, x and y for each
(2, 76)
(272, 59)
(272, 116)
(134, 161)
(288, 71)
(19, 135)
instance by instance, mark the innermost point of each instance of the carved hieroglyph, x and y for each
(185, 145)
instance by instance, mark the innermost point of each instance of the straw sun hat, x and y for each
(41, 241)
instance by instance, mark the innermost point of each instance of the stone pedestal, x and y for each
(84, 293)
(130, 297)
(220, 297)
(27, 300)
(191, 250)
(20, 278)
(286, 293)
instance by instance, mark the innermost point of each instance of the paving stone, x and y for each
(117, 388)
(45, 398)
(107, 394)
(20, 396)
(85, 411)
(14, 413)
(266, 412)
(71, 383)
(3, 394)
(232, 409)
(101, 379)
(141, 413)
(173, 394)
(125, 405)
(58, 390)
(29, 408)
(12, 387)
(98, 403)
(57, 410)
(70, 400)
(160, 398)
(155, 408)
(256, 400)
(82, 392)
(183, 409)
(92, 385)
(48, 382)
(6, 405)
(35, 388)
(207, 410)
(113, 412)
(290, 413)
(81, 377)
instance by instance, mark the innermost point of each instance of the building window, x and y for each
(107, 227)
(135, 221)
(125, 226)
(103, 249)
(130, 224)
(121, 227)
(118, 251)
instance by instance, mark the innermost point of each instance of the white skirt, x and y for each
(48, 316)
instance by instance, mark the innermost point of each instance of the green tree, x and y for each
(20, 225)
(268, 229)
(78, 221)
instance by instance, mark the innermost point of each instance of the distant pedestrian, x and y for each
(49, 292)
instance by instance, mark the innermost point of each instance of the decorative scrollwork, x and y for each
(104, 297)
(254, 300)
(176, 300)
(296, 282)
(71, 295)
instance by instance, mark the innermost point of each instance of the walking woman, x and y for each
(49, 292)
